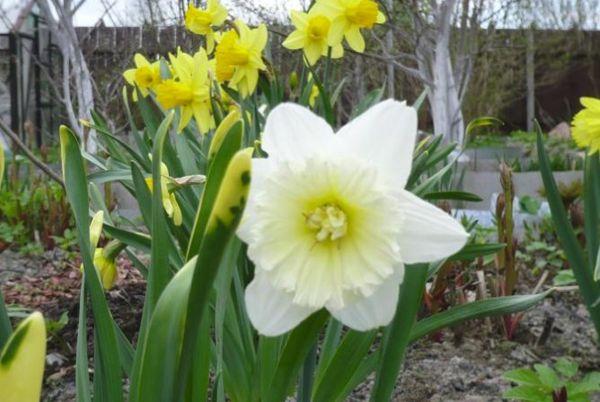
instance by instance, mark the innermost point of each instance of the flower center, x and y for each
(363, 14)
(329, 222)
(171, 94)
(318, 27)
(144, 76)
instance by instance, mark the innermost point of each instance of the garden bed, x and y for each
(462, 364)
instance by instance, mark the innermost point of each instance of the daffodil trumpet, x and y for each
(328, 222)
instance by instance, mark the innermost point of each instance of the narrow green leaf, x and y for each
(398, 333)
(329, 346)
(478, 309)
(590, 290)
(453, 195)
(222, 223)
(5, 327)
(472, 251)
(82, 378)
(77, 194)
(343, 366)
(295, 350)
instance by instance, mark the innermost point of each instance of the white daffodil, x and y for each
(328, 222)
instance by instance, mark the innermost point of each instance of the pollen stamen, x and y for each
(328, 221)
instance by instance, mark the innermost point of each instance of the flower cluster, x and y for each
(321, 30)
(586, 125)
(187, 82)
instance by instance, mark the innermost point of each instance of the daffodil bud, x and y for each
(169, 200)
(293, 80)
(22, 361)
(96, 228)
(233, 117)
(233, 192)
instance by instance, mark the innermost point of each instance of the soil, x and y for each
(465, 363)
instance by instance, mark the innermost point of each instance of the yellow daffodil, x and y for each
(586, 125)
(313, 36)
(22, 361)
(145, 76)
(104, 258)
(202, 21)
(168, 199)
(348, 17)
(328, 222)
(239, 57)
(188, 90)
(105, 263)
(314, 94)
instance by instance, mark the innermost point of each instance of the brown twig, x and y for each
(30, 155)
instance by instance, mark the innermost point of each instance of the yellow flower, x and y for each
(22, 361)
(145, 76)
(313, 35)
(202, 21)
(239, 57)
(106, 266)
(168, 199)
(348, 17)
(586, 125)
(314, 93)
(188, 90)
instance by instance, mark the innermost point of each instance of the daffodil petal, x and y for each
(377, 310)
(270, 310)
(293, 132)
(385, 133)
(294, 41)
(428, 233)
(355, 39)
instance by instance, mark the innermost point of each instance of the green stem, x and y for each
(398, 335)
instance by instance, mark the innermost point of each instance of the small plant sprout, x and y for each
(328, 222)
(547, 384)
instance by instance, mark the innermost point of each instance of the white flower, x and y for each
(328, 222)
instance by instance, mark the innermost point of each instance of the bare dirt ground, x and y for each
(466, 365)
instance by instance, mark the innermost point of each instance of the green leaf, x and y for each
(369, 100)
(343, 365)
(589, 383)
(478, 309)
(77, 194)
(398, 333)
(222, 223)
(484, 121)
(590, 290)
(5, 327)
(82, 378)
(297, 346)
(564, 277)
(453, 195)
(419, 101)
(566, 367)
(527, 393)
(523, 376)
(230, 145)
(472, 251)
(160, 350)
(547, 376)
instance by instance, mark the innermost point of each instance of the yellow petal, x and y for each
(129, 76)
(295, 40)
(355, 40)
(313, 52)
(140, 60)
(299, 19)
(590, 103)
(96, 228)
(22, 361)
(380, 17)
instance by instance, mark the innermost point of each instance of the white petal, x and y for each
(428, 233)
(385, 135)
(293, 131)
(271, 311)
(377, 310)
